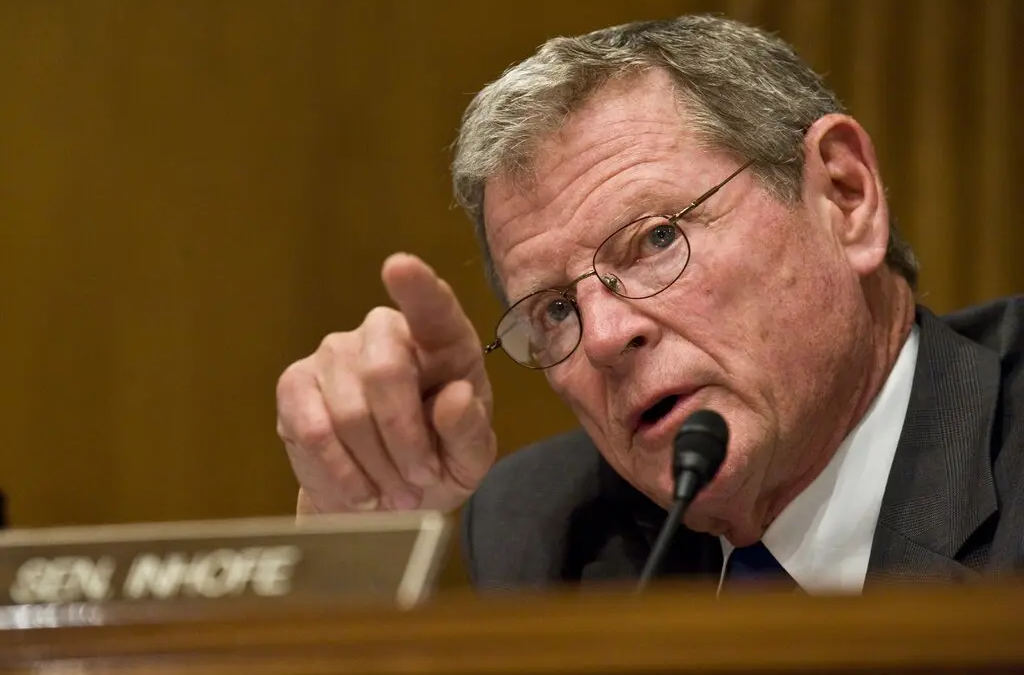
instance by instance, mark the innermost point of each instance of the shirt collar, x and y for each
(823, 537)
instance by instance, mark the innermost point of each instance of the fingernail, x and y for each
(370, 504)
(426, 474)
(404, 500)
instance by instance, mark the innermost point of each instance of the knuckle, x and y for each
(291, 382)
(349, 476)
(334, 343)
(295, 388)
(388, 369)
(402, 421)
(312, 433)
(382, 314)
(386, 321)
(282, 430)
(385, 357)
(349, 413)
(352, 483)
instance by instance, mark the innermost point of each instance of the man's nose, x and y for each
(614, 328)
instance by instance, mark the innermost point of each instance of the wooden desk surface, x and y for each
(668, 630)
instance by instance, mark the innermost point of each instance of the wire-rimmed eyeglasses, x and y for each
(637, 261)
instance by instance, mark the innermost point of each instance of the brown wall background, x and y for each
(193, 192)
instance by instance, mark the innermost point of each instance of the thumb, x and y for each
(463, 425)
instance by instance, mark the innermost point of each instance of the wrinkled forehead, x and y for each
(622, 100)
(612, 154)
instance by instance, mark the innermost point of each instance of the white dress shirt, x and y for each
(823, 537)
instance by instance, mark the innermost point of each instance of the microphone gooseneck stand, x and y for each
(698, 450)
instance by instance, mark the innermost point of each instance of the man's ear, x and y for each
(841, 175)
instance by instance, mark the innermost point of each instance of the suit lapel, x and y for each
(940, 488)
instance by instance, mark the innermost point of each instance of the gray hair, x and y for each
(745, 91)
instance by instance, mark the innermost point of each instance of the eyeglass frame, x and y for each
(592, 272)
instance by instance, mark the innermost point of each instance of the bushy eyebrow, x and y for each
(648, 203)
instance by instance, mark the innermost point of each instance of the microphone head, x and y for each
(699, 447)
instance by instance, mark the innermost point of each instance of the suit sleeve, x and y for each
(468, 554)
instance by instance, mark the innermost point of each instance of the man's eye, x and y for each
(655, 240)
(661, 237)
(557, 311)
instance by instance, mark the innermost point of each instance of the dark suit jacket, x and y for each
(953, 508)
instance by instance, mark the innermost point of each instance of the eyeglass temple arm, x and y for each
(707, 195)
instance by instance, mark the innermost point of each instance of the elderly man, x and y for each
(679, 216)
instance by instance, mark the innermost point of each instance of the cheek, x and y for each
(584, 390)
(755, 304)
(773, 310)
(581, 388)
(758, 282)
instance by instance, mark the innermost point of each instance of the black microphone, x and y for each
(697, 452)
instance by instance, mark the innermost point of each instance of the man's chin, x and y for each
(705, 524)
(711, 512)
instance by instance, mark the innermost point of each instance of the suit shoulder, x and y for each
(516, 527)
(533, 477)
(997, 325)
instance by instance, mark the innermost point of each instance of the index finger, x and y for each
(443, 334)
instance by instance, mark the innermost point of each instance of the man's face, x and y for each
(759, 327)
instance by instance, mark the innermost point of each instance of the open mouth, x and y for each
(656, 412)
